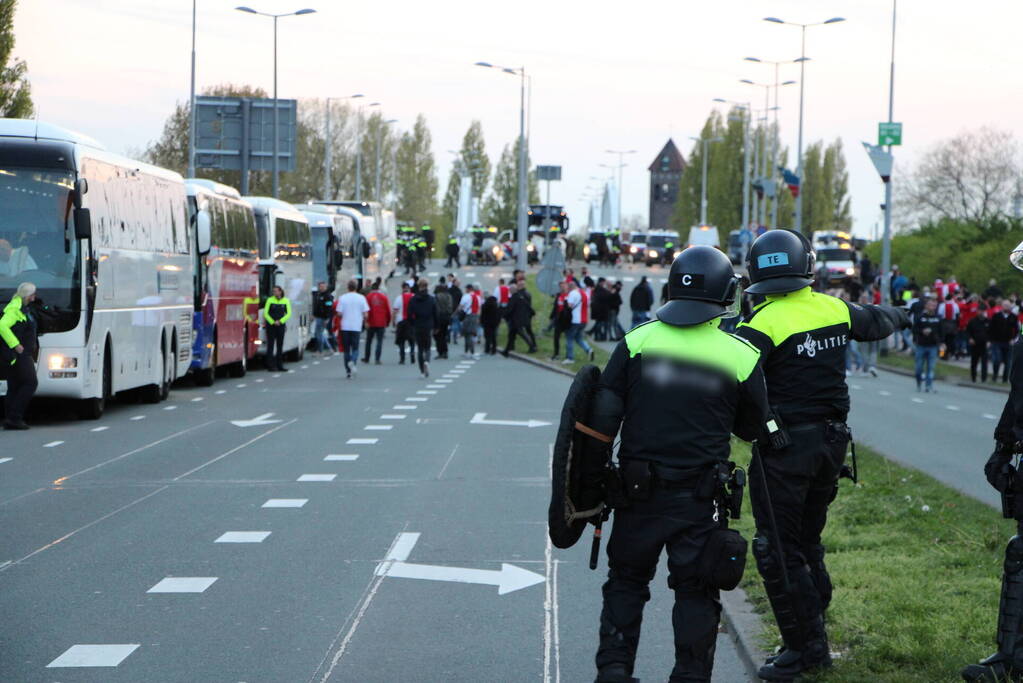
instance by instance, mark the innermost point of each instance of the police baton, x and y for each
(776, 538)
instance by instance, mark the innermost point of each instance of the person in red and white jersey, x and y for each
(502, 293)
(402, 326)
(469, 307)
(578, 301)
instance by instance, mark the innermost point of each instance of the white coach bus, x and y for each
(107, 242)
(285, 259)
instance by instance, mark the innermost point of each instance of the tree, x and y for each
(969, 177)
(417, 175)
(15, 90)
(501, 207)
(472, 159)
(825, 188)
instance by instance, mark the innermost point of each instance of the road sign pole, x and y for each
(886, 245)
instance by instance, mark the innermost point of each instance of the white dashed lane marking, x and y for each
(317, 477)
(378, 428)
(52, 444)
(240, 386)
(183, 584)
(445, 381)
(989, 416)
(416, 398)
(855, 386)
(918, 400)
(138, 417)
(220, 391)
(885, 393)
(93, 655)
(436, 386)
(285, 502)
(258, 381)
(392, 417)
(956, 408)
(242, 537)
(359, 442)
(99, 429)
(341, 458)
(427, 392)
(171, 408)
(197, 399)
(3, 460)
(404, 407)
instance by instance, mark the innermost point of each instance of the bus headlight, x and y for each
(59, 362)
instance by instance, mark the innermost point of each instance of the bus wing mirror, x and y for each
(366, 249)
(202, 231)
(83, 224)
(81, 188)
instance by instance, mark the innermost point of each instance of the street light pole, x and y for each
(621, 177)
(191, 106)
(703, 182)
(886, 244)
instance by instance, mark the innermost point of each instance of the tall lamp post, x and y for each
(380, 136)
(621, 166)
(275, 17)
(769, 166)
(191, 106)
(747, 111)
(328, 151)
(802, 86)
(522, 194)
(703, 183)
(358, 150)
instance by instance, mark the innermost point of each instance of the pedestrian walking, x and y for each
(323, 314)
(276, 313)
(18, 348)
(520, 319)
(977, 341)
(490, 321)
(353, 309)
(469, 308)
(802, 337)
(377, 321)
(677, 388)
(455, 291)
(445, 310)
(403, 334)
(423, 314)
(1003, 331)
(561, 317)
(641, 301)
(578, 304)
(452, 249)
(615, 330)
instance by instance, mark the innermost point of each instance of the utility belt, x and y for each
(835, 431)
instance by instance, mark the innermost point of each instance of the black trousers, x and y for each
(403, 335)
(802, 481)
(371, 334)
(978, 356)
(424, 337)
(275, 347)
(675, 520)
(21, 386)
(440, 338)
(524, 332)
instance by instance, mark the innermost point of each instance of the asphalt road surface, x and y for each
(304, 527)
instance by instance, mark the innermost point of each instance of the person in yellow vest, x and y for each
(276, 313)
(18, 345)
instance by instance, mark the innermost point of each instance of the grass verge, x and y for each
(917, 572)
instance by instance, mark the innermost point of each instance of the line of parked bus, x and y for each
(147, 277)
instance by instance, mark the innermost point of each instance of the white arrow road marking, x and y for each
(3, 460)
(481, 419)
(263, 419)
(508, 578)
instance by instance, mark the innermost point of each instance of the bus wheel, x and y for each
(93, 408)
(241, 367)
(153, 393)
(169, 365)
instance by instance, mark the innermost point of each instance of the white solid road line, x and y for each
(3, 460)
(183, 584)
(93, 655)
(357, 442)
(387, 416)
(242, 537)
(378, 428)
(341, 458)
(403, 407)
(99, 429)
(317, 477)
(285, 503)
(52, 444)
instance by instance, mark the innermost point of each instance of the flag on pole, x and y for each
(791, 179)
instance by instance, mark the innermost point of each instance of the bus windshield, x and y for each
(37, 242)
(835, 255)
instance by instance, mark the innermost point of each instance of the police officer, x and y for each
(1007, 663)
(18, 345)
(802, 337)
(427, 234)
(421, 248)
(276, 313)
(452, 250)
(678, 387)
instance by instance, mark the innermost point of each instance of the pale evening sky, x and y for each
(622, 75)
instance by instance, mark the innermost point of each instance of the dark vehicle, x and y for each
(661, 247)
(548, 220)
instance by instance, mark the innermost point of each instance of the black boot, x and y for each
(790, 663)
(1004, 665)
(995, 669)
(615, 673)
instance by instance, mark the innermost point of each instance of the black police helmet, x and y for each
(780, 261)
(701, 286)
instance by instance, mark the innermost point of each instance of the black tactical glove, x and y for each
(993, 468)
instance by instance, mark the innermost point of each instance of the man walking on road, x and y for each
(678, 387)
(470, 311)
(802, 337)
(377, 321)
(520, 318)
(579, 304)
(423, 313)
(641, 301)
(927, 332)
(445, 309)
(323, 313)
(403, 334)
(1002, 332)
(354, 310)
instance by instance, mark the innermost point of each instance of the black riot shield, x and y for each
(582, 463)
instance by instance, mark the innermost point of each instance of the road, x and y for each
(304, 527)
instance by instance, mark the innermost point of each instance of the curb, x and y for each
(969, 385)
(743, 624)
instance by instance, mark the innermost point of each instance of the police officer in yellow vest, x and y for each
(802, 336)
(678, 387)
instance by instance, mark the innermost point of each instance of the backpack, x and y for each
(444, 306)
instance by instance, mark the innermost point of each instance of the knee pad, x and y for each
(766, 557)
(1013, 565)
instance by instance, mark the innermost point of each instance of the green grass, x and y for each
(542, 304)
(916, 592)
(942, 370)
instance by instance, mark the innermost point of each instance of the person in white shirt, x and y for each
(578, 302)
(469, 307)
(353, 309)
(403, 334)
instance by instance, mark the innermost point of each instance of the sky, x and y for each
(604, 76)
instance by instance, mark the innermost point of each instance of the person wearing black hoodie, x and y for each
(422, 311)
(977, 340)
(490, 320)
(641, 301)
(520, 318)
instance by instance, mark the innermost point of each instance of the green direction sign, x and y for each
(889, 134)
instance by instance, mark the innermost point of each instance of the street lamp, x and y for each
(329, 148)
(621, 155)
(380, 135)
(747, 108)
(769, 167)
(802, 83)
(275, 17)
(522, 195)
(358, 149)
(191, 106)
(703, 182)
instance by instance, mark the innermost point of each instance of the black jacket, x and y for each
(977, 329)
(1004, 327)
(323, 305)
(422, 311)
(520, 311)
(1010, 427)
(490, 313)
(927, 329)
(599, 303)
(642, 298)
